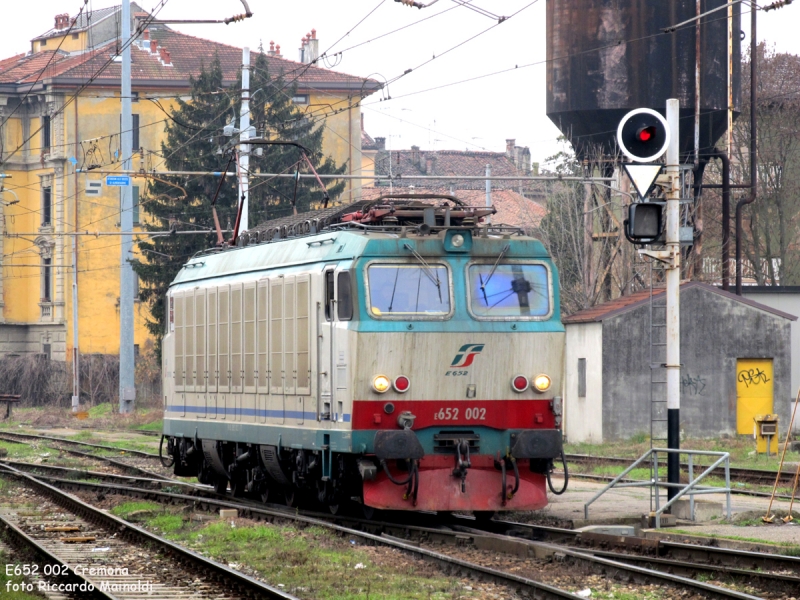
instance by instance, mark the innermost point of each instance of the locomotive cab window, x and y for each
(403, 290)
(509, 291)
(344, 307)
(329, 295)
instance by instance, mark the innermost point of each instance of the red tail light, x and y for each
(401, 384)
(520, 383)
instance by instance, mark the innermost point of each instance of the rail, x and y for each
(692, 488)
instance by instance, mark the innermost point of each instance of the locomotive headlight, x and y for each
(381, 383)
(541, 383)
(457, 240)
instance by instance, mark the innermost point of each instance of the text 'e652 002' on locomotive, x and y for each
(393, 354)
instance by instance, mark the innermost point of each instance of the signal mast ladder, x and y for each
(690, 489)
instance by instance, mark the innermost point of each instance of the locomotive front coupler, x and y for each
(462, 462)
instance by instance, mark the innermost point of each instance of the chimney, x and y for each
(522, 160)
(144, 43)
(271, 51)
(302, 50)
(278, 51)
(62, 21)
(430, 163)
(415, 155)
(153, 47)
(165, 60)
(510, 148)
(312, 47)
(380, 143)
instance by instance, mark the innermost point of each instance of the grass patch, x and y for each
(312, 562)
(100, 410)
(788, 548)
(154, 426)
(22, 451)
(13, 579)
(125, 509)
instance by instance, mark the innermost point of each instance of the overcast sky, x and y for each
(476, 115)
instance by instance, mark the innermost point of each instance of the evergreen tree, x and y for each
(192, 145)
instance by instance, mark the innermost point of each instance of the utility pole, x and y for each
(76, 378)
(488, 190)
(244, 135)
(673, 249)
(127, 389)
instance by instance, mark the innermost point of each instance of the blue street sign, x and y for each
(118, 180)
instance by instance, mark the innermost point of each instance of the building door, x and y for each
(754, 391)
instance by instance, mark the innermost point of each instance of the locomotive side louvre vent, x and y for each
(445, 441)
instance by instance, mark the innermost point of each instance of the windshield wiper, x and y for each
(494, 267)
(426, 268)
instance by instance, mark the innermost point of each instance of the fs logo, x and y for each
(466, 354)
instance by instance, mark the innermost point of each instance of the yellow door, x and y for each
(753, 391)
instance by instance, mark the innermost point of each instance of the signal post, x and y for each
(673, 269)
(643, 135)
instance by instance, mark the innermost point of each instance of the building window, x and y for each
(45, 133)
(47, 206)
(135, 132)
(46, 351)
(135, 97)
(300, 98)
(136, 205)
(43, 43)
(581, 378)
(76, 36)
(134, 137)
(46, 283)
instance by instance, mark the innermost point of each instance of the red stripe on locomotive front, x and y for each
(497, 414)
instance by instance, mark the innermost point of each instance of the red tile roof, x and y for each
(623, 304)
(188, 55)
(410, 163)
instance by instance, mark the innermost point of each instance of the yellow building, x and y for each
(60, 114)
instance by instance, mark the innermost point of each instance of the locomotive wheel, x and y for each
(220, 485)
(483, 516)
(291, 497)
(335, 508)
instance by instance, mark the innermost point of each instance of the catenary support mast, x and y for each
(127, 390)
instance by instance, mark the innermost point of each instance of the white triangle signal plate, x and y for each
(642, 177)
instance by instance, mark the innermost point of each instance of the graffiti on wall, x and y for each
(693, 386)
(752, 377)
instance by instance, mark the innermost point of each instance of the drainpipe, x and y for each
(726, 216)
(753, 152)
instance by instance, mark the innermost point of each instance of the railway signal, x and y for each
(644, 224)
(643, 135)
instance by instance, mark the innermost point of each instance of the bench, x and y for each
(9, 399)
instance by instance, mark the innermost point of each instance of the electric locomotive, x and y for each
(399, 354)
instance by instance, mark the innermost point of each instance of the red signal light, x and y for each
(646, 133)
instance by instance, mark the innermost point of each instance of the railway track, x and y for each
(118, 561)
(61, 440)
(119, 464)
(656, 562)
(756, 476)
(448, 564)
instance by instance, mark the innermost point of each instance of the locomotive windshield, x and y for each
(400, 290)
(509, 290)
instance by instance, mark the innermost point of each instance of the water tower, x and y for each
(606, 57)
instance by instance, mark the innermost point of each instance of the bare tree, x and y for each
(772, 235)
(583, 232)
